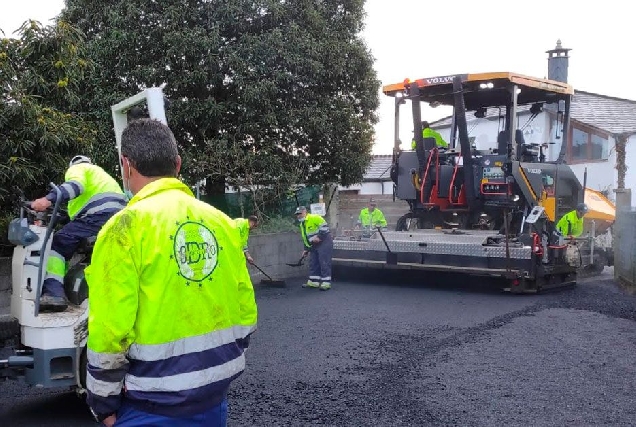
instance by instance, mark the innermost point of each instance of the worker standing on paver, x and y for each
(571, 224)
(246, 225)
(318, 245)
(171, 303)
(371, 216)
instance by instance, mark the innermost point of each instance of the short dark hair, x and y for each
(425, 124)
(150, 147)
(253, 218)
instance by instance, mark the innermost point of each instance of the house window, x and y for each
(587, 144)
(599, 147)
(579, 145)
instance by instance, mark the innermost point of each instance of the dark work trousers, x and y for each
(320, 260)
(65, 243)
(128, 416)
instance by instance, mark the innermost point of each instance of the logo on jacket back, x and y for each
(195, 250)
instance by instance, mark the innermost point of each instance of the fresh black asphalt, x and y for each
(431, 350)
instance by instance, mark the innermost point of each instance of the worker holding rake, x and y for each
(319, 245)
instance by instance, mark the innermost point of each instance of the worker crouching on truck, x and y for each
(571, 224)
(93, 197)
(319, 245)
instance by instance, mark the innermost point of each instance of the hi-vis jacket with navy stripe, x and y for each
(89, 190)
(313, 225)
(171, 305)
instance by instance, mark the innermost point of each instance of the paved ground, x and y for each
(448, 353)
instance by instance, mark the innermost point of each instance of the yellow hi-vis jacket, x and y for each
(430, 133)
(313, 225)
(570, 224)
(373, 219)
(89, 190)
(171, 305)
(243, 225)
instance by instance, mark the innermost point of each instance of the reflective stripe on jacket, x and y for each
(313, 225)
(89, 190)
(171, 305)
(375, 218)
(570, 225)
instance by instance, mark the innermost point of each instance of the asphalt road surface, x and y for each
(451, 352)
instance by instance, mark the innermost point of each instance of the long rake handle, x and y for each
(259, 269)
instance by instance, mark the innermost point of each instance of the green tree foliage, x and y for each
(265, 92)
(40, 128)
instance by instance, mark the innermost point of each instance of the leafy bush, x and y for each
(276, 225)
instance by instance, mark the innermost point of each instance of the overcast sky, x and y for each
(424, 38)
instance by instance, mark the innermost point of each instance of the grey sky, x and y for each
(422, 38)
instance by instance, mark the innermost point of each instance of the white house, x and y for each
(376, 179)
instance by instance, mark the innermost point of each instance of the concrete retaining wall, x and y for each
(271, 252)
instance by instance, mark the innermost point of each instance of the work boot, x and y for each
(325, 286)
(51, 303)
(311, 284)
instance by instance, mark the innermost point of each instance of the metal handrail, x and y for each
(49, 230)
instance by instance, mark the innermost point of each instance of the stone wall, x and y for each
(624, 237)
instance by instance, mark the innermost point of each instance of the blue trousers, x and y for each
(320, 261)
(64, 245)
(127, 416)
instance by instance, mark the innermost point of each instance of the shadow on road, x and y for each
(64, 409)
(409, 279)
(441, 281)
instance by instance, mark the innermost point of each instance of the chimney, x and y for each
(558, 60)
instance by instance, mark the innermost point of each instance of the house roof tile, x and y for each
(613, 115)
(379, 168)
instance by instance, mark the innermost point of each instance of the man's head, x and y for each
(425, 125)
(252, 220)
(372, 204)
(581, 210)
(79, 159)
(149, 152)
(301, 213)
